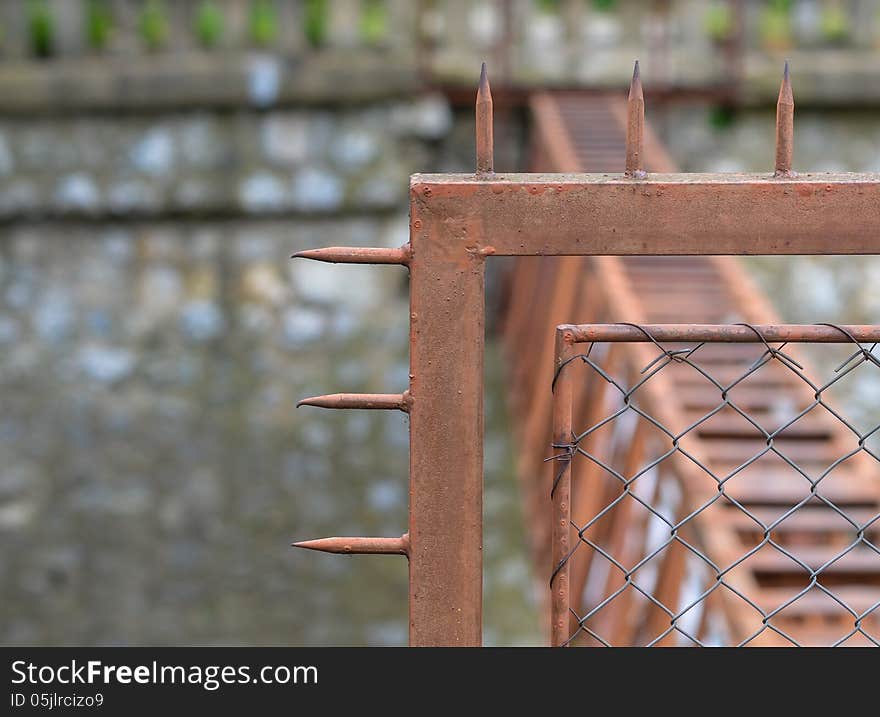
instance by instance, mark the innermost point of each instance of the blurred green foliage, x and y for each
(550, 6)
(263, 23)
(605, 5)
(41, 27)
(99, 24)
(209, 23)
(374, 21)
(719, 21)
(721, 117)
(154, 24)
(834, 23)
(316, 18)
(775, 24)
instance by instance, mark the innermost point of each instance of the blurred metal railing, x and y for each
(734, 500)
(729, 48)
(76, 28)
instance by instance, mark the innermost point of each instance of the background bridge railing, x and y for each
(730, 49)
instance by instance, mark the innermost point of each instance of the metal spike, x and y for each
(635, 127)
(358, 546)
(370, 401)
(785, 127)
(485, 129)
(357, 255)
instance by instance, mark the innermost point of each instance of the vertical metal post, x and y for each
(446, 435)
(561, 490)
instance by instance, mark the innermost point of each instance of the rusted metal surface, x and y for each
(368, 401)
(560, 492)
(799, 571)
(485, 126)
(678, 214)
(785, 127)
(358, 546)
(446, 434)
(457, 221)
(635, 128)
(576, 133)
(356, 255)
(725, 333)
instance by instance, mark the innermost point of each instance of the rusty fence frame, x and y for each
(458, 221)
(569, 340)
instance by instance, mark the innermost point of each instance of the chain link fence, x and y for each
(720, 486)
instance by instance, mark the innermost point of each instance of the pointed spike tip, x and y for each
(484, 77)
(305, 544)
(635, 86)
(785, 92)
(327, 545)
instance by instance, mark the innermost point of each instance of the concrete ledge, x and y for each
(203, 80)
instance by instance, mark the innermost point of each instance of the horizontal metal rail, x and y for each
(726, 333)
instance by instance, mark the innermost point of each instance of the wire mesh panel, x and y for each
(716, 485)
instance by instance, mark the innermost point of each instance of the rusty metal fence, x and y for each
(458, 221)
(729, 497)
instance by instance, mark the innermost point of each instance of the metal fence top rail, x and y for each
(719, 333)
(542, 179)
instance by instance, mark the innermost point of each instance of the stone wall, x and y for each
(255, 164)
(154, 339)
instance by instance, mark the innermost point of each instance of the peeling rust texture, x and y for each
(679, 214)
